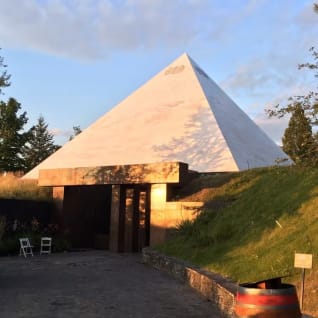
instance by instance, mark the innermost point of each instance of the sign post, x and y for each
(303, 261)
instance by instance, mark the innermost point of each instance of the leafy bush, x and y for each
(34, 231)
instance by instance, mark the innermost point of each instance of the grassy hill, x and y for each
(13, 187)
(252, 224)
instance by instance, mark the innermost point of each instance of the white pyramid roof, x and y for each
(178, 115)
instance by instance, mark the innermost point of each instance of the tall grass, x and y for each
(265, 217)
(13, 187)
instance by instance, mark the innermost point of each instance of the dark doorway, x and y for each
(86, 215)
(134, 218)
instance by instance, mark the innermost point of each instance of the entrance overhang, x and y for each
(153, 173)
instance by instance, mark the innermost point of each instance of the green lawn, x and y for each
(252, 225)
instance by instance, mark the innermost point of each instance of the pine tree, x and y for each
(40, 145)
(76, 131)
(298, 140)
(4, 77)
(12, 137)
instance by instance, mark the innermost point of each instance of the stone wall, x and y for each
(211, 286)
(176, 212)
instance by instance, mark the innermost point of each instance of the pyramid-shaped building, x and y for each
(113, 184)
(181, 115)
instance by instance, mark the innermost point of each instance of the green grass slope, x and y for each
(252, 224)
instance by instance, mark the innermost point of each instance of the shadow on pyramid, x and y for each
(178, 115)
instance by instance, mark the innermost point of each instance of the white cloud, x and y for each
(267, 74)
(307, 17)
(57, 132)
(227, 18)
(252, 76)
(273, 127)
(262, 41)
(61, 136)
(93, 28)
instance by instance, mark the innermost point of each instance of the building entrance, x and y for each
(134, 218)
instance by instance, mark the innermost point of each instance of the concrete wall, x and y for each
(80, 195)
(76, 206)
(158, 196)
(126, 183)
(164, 216)
(130, 212)
(210, 285)
(58, 199)
(161, 172)
(114, 219)
(167, 215)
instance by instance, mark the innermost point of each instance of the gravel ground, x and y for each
(94, 284)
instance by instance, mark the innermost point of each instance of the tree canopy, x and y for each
(20, 149)
(299, 142)
(308, 102)
(76, 131)
(39, 145)
(12, 136)
(4, 76)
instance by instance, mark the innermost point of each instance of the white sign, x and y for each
(303, 260)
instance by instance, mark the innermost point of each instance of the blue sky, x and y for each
(73, 60)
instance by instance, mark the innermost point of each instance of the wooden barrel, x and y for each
(267, 303)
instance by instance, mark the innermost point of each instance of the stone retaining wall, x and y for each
(211, 286)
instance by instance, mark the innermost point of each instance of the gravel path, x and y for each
(93, 284)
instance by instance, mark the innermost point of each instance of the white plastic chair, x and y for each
(46, 245)
(25, 247)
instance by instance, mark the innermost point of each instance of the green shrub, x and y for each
(185, 228)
